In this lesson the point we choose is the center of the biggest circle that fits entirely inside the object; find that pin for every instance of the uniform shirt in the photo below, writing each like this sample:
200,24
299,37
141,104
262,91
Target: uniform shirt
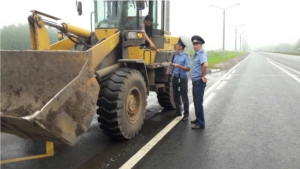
200,57
184,60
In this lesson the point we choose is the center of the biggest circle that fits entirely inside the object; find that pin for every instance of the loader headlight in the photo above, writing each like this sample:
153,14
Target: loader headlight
134,35
140,34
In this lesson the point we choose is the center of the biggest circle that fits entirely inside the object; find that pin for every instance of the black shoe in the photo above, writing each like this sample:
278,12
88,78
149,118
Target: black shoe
185,118
175,115
197,126
195,121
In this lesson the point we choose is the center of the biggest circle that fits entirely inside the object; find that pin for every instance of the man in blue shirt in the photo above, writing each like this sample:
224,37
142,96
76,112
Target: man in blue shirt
200,65
181,62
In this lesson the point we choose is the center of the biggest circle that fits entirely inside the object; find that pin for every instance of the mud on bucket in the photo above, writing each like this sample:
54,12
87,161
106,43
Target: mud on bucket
47,95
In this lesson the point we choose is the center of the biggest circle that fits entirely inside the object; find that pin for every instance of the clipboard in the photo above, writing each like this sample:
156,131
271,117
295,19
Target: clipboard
170,67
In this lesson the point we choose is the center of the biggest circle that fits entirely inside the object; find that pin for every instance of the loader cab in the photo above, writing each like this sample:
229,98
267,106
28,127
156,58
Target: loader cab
122,14
111,16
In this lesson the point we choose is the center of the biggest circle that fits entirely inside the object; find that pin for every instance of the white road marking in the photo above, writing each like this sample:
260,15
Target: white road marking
284,56
285,66
208,99
288,73
144,150
229,77
233,71
221,85
258,75
207,92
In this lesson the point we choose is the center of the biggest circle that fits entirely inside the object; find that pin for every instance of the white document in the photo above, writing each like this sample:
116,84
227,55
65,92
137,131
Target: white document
170,69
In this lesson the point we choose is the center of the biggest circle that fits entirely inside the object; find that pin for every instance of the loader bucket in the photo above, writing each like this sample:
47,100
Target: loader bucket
47,95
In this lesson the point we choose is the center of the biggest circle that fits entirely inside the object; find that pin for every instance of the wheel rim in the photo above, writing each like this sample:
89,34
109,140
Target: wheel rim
133,105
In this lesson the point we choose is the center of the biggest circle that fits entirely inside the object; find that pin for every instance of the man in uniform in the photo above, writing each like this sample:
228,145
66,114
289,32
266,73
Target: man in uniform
181,63
200,65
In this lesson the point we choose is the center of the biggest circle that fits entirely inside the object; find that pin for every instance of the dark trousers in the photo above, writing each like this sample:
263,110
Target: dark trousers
183,84
198,93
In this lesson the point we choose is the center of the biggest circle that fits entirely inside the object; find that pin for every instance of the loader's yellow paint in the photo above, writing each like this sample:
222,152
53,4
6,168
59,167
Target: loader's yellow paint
76,30
134,52
105,33
147,55
39,35
65,44
49,153
40,41
101,50
170,42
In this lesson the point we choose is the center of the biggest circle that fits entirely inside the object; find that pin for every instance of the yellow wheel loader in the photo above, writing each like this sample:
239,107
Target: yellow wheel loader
52,91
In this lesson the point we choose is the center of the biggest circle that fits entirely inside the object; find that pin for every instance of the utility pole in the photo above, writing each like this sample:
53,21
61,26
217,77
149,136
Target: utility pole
236,34
241,40
224,24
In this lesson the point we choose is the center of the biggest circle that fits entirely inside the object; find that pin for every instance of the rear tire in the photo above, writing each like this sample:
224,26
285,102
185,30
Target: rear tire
166,98
122,103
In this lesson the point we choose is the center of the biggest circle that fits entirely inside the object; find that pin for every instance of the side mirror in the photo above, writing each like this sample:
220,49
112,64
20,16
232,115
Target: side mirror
140,5
79,8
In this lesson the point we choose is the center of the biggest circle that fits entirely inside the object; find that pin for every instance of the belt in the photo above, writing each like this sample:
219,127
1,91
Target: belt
181,77
195,81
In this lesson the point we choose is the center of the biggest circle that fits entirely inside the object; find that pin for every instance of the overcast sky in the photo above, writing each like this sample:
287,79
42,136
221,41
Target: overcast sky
267,22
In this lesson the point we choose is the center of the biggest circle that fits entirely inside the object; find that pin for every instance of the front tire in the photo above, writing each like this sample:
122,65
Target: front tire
166,98
122,103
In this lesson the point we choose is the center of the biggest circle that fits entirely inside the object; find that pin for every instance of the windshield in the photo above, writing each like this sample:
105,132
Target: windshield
118,14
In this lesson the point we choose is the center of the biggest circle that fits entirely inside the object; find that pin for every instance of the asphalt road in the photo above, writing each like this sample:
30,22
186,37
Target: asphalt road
95,149
251,122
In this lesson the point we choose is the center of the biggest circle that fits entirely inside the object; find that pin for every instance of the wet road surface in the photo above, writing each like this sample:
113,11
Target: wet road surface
95,149
252,122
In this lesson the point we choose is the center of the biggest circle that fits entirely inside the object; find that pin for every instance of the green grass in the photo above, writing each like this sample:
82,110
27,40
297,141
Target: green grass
216,57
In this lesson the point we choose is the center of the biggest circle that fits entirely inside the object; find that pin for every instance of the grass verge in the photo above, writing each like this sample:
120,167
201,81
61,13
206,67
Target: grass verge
216,57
